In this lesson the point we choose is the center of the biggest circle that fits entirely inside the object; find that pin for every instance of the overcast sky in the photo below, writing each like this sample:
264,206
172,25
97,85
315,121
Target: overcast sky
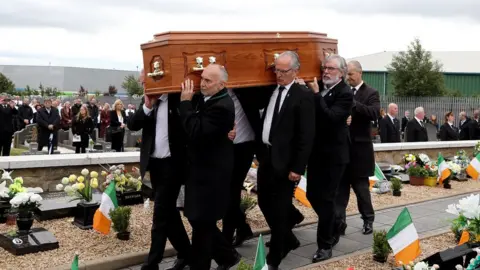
108,33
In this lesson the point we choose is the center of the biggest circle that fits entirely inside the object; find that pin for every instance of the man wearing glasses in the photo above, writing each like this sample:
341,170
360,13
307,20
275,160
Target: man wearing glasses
287,137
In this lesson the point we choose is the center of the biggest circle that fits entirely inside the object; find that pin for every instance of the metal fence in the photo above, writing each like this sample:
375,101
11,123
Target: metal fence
438,106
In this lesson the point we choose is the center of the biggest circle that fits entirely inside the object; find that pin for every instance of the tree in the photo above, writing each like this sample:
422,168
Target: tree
6,85
132,85
42,90
415,74
112,90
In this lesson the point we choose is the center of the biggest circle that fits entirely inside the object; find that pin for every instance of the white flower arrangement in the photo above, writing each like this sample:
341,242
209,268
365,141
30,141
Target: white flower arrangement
410,158
468,207
424,158
419,266
454,167
26,201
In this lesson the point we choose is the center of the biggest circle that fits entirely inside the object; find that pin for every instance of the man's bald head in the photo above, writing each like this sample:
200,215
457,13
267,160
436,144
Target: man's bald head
214,79
393,109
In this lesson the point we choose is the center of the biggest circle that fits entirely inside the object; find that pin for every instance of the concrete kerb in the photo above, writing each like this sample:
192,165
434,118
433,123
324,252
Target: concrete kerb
131,259
367,250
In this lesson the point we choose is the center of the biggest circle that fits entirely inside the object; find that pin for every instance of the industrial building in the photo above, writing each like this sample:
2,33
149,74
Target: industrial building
461,71
66,79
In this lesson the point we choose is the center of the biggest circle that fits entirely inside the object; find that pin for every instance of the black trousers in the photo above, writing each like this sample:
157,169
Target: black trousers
322,188
79,149
235,219
361,187
275,193
5,143
208,243
167,222
117,141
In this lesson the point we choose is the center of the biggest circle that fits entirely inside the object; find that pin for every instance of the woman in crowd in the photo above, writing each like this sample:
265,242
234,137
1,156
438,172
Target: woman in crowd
448,132
117,125
37,107
82,126
66,116
104,119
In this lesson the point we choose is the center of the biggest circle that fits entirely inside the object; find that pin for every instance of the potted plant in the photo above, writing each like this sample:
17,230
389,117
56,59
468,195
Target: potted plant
417,174
121,220
127,184
81,188
396,186
432,175
6,194
381,248
25,203
244,266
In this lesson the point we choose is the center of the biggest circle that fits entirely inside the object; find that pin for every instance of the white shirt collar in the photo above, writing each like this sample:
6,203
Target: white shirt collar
391,117
287,87
450,123
358,86
163,97
420,121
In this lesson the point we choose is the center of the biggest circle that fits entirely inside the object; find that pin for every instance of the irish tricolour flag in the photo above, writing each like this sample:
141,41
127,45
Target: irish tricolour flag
101,219
301,192
403,238
443,169
473,168
260,257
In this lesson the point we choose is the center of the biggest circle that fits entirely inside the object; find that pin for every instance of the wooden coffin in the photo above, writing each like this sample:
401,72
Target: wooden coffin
172,57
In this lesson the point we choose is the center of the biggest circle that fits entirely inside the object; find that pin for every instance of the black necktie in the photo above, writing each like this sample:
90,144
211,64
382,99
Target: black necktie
353,90
276,109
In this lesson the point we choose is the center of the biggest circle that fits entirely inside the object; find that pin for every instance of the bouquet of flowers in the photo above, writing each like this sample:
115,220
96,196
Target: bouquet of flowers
423,159
432,170
26,202
80,187
415,169
468,215
418,266
408,158
124,181
454,167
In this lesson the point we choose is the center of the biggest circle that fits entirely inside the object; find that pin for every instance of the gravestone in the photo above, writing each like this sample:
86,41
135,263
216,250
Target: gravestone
131,137
38,239
26,135
58,205
432,132
63,135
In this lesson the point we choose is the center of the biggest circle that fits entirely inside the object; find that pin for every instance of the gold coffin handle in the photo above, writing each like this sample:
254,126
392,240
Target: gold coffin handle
275,56
156,70
199,61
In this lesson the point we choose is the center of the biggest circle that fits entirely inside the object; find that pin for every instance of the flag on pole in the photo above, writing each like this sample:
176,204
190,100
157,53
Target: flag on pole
75,263
377,177
260,257
443,170
101,219
473,168
403,238
301,192
50,144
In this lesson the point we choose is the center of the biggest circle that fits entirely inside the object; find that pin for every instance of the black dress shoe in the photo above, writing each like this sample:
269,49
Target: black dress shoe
237,258
179,264
367,228
242,237
322,255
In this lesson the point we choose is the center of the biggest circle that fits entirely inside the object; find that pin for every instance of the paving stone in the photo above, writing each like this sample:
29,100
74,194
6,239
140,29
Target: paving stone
348,246
362,238
165,265
351,229
356,222
293,261
384,220
309,236
248,250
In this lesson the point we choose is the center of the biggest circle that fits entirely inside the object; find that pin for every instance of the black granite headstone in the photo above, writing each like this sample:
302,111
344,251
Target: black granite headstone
4,207
39,239
84,215
451,257
58,205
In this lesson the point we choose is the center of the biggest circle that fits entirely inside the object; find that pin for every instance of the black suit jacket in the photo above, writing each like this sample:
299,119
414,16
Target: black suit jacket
7,116
366,109
415,132
467,130
389,131
404,123
332,138
114,121
44,119
448,133
25,112
210,152
476,128
292,136
176,136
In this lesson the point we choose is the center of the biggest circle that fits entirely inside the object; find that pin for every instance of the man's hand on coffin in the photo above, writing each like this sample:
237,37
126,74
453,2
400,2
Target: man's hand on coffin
149,100
300,81
314,86
349,120
232,133
294,177
187,90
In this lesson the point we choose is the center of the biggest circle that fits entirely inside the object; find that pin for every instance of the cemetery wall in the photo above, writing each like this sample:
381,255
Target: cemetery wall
46,171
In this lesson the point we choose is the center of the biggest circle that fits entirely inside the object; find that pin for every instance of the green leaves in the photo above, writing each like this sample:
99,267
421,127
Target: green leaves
132,85
6,85
414,73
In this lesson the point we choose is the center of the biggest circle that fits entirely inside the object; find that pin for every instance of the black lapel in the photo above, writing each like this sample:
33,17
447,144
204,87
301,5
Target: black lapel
221,94
359,96
285,102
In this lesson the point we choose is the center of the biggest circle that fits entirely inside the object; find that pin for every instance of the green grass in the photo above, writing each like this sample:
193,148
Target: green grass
17,151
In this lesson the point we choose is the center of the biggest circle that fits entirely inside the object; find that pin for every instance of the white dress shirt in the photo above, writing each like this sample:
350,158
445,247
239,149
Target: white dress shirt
419,121
391,118
357,87
244,131
267,124
162,146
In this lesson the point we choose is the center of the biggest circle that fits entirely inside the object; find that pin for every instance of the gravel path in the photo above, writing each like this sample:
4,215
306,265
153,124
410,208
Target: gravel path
91,245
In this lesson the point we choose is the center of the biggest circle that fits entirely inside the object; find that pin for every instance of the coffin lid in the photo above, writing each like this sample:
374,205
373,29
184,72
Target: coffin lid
191,37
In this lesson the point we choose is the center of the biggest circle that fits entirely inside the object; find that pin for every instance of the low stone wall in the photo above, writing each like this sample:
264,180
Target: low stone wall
46,171
393,153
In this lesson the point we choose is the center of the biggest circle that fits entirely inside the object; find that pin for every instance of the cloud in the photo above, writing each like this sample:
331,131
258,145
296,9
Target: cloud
428,8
